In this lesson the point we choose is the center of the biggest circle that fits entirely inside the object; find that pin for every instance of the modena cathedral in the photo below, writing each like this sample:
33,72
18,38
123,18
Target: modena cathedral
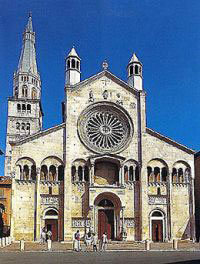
102,169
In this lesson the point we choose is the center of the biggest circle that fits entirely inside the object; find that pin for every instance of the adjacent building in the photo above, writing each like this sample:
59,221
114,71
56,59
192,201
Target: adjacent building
101,169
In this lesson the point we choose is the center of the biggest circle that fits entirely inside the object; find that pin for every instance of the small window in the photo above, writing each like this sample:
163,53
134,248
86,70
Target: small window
77,65
25,78
136,69
50,190
73,64
18,126
23,126
16,92
28,126
32,80
23,107
131,70
22,78
18,108
68,64
158,191
29,108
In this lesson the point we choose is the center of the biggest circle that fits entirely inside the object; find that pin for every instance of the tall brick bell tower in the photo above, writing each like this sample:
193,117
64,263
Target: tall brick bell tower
24,107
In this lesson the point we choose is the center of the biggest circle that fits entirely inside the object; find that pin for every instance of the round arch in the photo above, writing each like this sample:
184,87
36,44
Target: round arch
109,196
157,225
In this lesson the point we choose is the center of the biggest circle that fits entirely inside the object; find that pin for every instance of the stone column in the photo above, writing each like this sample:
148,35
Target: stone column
134,173
92,174
76,174
122,181
120,174
56,173
29,173
83,173
37,205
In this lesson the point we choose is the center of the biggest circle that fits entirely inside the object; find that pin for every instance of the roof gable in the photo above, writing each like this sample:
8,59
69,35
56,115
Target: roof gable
169,141
99,75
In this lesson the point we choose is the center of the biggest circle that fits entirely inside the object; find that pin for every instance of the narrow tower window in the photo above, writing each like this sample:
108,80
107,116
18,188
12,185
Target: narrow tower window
73,64
136,69
29,108
23,126
18,108
34,94
68,64
16,92
77,65
18,126
23,107
131,70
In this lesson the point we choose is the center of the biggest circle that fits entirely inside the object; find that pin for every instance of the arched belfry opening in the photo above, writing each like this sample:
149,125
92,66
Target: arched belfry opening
108,215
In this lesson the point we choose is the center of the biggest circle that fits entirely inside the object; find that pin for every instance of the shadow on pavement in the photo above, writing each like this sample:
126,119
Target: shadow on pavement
185,262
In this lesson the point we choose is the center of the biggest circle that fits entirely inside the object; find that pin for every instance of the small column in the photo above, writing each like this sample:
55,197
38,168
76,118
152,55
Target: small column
92,174
83,173
120,174
29,173
56,173
134,173
47,174
122,181
76,174
0,242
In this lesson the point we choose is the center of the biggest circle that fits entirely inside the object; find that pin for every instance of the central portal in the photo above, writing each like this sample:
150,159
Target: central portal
106,223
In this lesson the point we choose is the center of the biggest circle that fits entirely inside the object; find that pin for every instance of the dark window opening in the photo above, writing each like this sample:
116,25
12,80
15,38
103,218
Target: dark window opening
73,64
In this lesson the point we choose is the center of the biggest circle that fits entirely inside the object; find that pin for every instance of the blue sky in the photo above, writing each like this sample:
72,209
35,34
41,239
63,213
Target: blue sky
164,34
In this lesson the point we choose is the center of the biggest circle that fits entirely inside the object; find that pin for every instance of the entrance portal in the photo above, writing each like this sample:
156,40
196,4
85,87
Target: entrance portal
106,223
157,226
157,230
51,223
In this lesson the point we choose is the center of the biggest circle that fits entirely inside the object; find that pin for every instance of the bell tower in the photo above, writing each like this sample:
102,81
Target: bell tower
24,107
72,68
134,70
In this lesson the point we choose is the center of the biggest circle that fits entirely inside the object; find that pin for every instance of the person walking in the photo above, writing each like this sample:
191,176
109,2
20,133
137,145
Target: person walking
94,242
77,247
104,242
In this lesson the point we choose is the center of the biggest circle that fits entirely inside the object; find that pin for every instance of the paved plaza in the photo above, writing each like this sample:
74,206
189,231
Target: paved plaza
99,257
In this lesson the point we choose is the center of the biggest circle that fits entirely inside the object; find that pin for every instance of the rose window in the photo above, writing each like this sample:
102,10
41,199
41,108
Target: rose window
105,128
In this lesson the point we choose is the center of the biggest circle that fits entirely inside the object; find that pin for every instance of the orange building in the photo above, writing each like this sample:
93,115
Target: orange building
5,205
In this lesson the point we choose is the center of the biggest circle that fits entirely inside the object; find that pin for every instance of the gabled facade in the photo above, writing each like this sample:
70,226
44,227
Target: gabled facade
102,169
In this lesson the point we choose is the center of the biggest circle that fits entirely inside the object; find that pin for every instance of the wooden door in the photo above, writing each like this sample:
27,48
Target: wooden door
52,224
157,230
106,223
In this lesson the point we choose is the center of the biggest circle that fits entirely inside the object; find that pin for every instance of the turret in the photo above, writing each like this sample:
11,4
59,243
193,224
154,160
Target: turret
134,70
72,68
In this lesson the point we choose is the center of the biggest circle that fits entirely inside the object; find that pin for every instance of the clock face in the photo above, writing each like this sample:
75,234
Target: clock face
105,128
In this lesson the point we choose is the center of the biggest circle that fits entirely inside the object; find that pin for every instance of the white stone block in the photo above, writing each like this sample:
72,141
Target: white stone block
49,244
22,245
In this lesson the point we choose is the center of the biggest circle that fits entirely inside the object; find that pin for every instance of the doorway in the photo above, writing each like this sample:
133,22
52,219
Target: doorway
157,230
52,225
106,223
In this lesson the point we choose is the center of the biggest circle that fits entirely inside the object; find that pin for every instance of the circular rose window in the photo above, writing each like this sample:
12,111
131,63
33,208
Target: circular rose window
105,128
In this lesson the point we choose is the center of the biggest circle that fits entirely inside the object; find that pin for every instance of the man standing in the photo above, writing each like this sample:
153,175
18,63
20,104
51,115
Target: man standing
77,241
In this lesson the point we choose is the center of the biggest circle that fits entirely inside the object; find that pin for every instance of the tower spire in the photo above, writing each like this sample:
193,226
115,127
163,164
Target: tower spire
27,61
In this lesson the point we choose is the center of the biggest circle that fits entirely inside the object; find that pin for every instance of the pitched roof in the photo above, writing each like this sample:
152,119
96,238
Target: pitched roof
37,135
108,75
170,141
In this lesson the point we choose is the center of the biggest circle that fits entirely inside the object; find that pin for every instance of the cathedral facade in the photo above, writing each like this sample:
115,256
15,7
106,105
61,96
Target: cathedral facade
102,169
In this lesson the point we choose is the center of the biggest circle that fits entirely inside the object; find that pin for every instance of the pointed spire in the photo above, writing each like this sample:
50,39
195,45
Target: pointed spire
27,62
73,53
134,58
29,27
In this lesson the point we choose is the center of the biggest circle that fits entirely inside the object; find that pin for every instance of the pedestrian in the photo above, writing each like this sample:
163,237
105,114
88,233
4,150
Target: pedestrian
77,247
88,240
49,235
94,242
43,236
104,242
